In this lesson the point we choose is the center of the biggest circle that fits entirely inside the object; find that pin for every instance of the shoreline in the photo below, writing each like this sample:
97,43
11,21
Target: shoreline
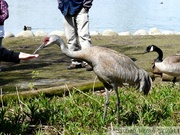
107,32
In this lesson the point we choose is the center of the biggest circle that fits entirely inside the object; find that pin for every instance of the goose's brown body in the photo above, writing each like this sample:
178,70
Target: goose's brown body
170,65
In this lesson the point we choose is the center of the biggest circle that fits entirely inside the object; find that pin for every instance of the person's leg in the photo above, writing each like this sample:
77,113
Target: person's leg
71,34
82,21
70,29
1,38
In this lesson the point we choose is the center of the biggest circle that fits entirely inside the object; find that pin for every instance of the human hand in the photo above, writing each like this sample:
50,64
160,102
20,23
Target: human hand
26,56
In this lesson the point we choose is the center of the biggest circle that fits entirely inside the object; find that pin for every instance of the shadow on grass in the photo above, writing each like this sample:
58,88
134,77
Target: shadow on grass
26,67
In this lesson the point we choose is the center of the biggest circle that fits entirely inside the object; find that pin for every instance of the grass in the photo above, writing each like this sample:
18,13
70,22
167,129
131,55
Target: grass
58,101
81,113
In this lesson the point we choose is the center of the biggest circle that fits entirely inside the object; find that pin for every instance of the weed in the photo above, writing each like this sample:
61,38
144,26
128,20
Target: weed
34,76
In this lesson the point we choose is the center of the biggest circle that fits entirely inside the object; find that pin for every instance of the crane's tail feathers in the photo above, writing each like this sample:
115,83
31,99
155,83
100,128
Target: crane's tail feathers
146,82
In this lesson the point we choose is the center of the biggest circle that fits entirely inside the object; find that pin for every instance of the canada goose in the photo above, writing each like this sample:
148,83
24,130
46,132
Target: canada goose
170,65
111,67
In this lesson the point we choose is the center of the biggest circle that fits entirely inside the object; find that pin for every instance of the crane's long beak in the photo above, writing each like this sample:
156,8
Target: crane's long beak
39,48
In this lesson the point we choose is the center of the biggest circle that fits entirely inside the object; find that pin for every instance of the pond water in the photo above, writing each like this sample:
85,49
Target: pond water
118,15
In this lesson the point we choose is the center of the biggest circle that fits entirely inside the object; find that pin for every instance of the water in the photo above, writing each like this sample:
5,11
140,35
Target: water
118,15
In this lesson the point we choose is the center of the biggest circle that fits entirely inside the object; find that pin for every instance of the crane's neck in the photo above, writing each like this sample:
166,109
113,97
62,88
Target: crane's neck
62,45
160,55
65,50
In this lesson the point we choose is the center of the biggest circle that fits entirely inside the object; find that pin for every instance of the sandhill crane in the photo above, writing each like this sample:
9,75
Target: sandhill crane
112,68
170,65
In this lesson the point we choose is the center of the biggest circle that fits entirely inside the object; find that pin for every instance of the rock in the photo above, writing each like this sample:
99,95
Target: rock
109,32
167,32
27,33
94,33
40,33
177,33
57,32
141,32
127,33
154,31
8,35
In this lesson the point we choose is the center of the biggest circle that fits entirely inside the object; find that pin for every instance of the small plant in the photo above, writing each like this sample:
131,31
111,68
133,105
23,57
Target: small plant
34,76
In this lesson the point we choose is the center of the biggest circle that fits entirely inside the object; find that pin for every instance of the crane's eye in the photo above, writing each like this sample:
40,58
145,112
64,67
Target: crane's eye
46,40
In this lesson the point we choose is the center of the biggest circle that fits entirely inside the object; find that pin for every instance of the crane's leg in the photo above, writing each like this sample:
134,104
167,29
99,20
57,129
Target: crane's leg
106,103
117,103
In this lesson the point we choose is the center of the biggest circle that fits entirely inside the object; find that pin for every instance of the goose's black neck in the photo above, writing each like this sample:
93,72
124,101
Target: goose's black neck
160,54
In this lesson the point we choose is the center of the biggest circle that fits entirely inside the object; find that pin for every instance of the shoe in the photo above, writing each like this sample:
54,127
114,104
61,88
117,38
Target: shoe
88,68
73,66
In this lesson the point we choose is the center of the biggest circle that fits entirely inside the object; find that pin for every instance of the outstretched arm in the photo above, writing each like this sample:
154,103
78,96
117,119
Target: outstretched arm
11,56
26,56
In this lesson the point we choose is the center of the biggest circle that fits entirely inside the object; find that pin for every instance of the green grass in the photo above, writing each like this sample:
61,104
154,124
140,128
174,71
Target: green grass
48,103
82,112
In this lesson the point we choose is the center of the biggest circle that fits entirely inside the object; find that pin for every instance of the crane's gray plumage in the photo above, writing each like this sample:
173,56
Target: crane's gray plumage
170,65
112,68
